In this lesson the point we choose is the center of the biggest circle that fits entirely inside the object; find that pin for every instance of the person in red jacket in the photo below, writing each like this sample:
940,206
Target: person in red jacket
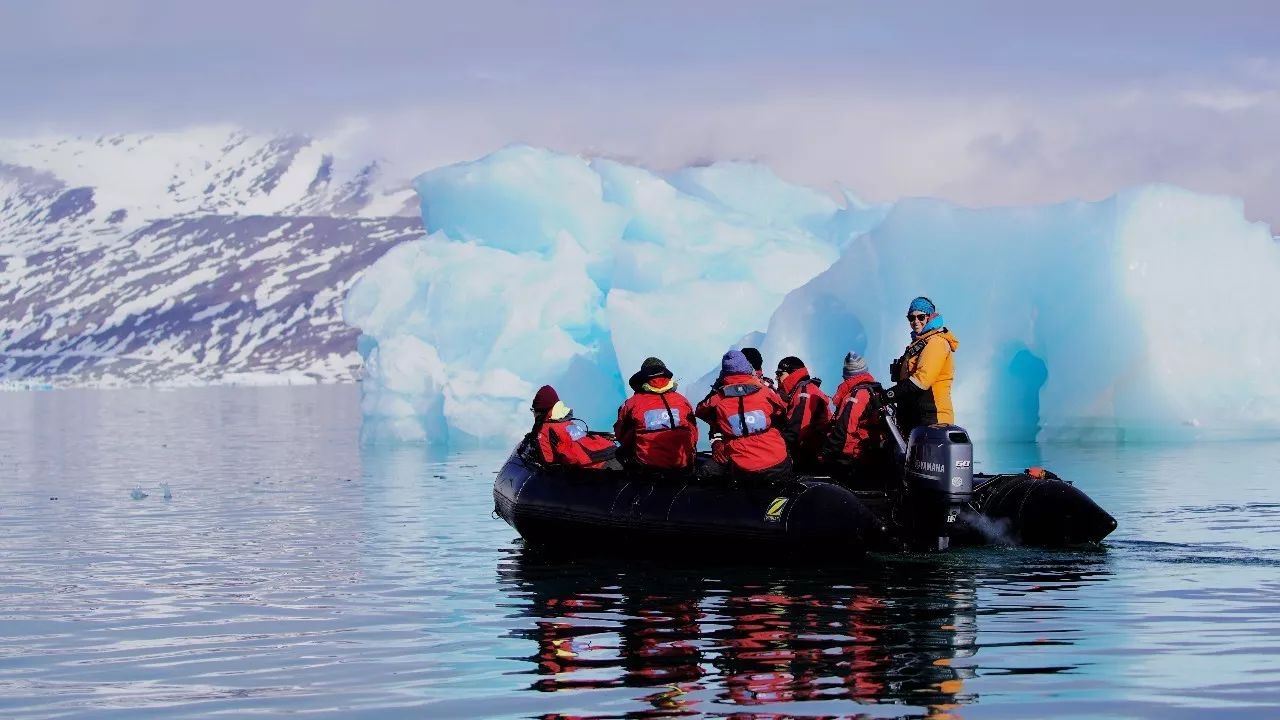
656,428
562,441
857,444
746,415
808,410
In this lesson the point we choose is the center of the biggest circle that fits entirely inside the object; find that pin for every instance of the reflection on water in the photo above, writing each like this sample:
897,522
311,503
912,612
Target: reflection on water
901,631
294,572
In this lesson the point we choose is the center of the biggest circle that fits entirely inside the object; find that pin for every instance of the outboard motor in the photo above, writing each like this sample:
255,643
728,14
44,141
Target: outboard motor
938,481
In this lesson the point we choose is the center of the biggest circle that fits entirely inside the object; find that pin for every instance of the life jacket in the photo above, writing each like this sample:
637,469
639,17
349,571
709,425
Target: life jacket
854,431
928,362
808,411
656,428
746,413
566,442
915,347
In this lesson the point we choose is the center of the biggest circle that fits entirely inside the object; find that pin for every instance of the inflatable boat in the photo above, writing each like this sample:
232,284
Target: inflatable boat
937,500
1034,507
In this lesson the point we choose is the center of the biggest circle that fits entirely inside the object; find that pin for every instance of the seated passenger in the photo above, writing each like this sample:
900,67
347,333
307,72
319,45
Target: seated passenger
745,415
561,440
856,448
757,366
656,428
808,411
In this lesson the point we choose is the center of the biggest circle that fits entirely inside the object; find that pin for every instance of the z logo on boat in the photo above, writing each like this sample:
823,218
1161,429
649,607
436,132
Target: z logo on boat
774,513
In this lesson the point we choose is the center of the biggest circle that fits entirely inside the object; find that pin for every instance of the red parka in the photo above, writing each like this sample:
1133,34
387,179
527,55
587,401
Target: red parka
808,411
564,442
855,431
747,415
656,426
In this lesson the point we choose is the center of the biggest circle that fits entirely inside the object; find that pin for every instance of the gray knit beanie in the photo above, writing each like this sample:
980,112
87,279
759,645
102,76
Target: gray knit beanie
854,365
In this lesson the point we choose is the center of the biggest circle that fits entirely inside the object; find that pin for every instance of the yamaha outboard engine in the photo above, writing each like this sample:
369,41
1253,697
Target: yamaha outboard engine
938,481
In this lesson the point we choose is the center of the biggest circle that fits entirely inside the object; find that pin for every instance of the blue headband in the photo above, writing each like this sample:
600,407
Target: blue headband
922,304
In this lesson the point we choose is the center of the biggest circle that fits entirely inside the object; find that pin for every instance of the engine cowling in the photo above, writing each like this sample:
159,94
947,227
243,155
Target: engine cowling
937,483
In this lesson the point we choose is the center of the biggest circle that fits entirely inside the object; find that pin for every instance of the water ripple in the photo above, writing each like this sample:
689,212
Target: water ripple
293,572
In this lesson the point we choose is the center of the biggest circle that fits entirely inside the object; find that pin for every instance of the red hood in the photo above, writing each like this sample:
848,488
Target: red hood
657,385
862,377
737,379
793,379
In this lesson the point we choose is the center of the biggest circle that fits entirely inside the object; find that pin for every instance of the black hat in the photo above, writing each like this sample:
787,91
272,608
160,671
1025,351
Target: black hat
754,357
790,363
649,369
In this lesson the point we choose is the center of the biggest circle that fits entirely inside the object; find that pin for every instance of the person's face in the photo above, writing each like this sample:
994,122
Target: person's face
780,374
917,320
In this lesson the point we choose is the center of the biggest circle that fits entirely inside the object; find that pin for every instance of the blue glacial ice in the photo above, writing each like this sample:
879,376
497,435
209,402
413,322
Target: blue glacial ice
1143,316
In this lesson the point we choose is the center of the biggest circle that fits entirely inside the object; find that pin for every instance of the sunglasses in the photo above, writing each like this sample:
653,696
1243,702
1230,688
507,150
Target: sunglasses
915,318
779,372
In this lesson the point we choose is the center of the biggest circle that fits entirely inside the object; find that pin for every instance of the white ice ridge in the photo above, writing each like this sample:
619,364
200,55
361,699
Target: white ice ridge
1143,316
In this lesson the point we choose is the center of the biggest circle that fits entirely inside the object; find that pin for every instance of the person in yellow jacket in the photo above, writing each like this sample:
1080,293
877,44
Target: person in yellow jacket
923,375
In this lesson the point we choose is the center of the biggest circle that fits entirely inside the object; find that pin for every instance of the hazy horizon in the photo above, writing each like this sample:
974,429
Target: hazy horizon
989,103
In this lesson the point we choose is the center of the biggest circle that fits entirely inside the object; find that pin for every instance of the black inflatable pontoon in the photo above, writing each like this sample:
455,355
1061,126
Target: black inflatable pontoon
936,500
1034,507
620,510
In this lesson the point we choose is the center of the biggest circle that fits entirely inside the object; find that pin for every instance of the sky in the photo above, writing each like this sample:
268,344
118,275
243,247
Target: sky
982,103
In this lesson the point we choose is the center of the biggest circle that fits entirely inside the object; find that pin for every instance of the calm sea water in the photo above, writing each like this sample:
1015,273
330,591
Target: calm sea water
293,572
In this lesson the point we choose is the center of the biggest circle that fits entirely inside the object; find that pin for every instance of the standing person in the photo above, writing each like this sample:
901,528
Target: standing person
924,373
746,415
855,447
563,441
656,428
808,410
757,366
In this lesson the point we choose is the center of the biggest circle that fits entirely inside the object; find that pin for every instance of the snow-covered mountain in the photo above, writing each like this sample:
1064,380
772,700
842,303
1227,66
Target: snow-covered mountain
198,256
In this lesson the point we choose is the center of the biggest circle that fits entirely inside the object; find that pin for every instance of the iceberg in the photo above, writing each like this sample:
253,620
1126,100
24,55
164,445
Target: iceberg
1142,316
1145,316
545,268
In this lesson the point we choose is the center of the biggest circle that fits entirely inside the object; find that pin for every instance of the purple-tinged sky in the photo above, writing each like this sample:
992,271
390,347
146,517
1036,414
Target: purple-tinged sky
979,102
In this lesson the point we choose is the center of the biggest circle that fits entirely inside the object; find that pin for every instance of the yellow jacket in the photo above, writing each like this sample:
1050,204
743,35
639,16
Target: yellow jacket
928,363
